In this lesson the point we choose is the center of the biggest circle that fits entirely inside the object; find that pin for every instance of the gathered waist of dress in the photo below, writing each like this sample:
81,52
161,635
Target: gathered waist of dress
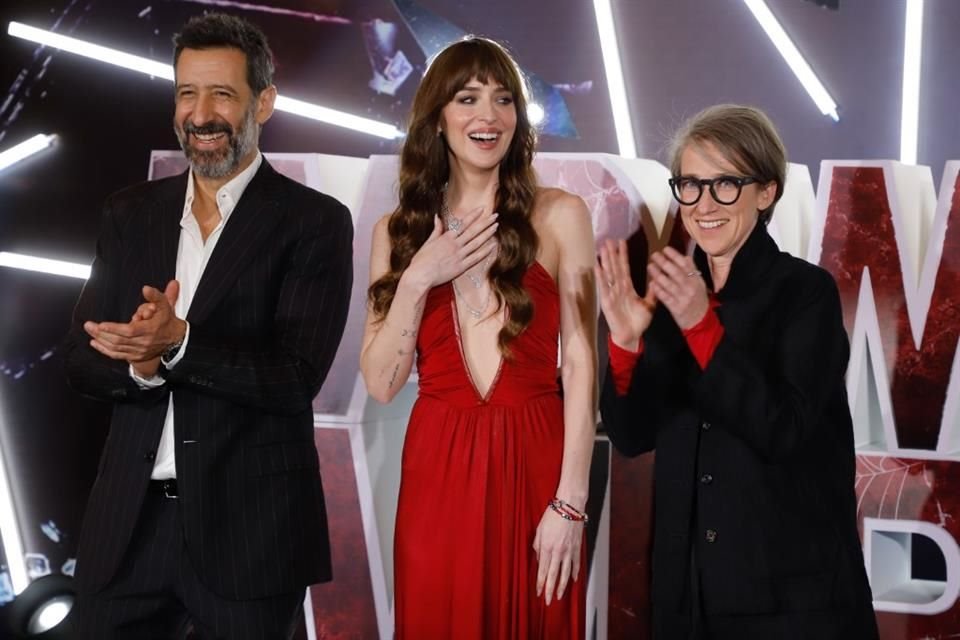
468,398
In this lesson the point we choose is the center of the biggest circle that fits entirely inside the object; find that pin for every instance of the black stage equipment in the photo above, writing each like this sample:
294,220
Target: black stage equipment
40,612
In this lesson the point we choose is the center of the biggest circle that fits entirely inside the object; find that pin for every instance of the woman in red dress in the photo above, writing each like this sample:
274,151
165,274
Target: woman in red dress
482,276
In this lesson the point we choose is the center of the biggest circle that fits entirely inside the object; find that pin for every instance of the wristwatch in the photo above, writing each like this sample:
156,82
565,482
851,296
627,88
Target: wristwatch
171,352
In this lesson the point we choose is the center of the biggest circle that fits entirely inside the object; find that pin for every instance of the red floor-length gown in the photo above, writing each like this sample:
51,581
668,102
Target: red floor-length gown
477,474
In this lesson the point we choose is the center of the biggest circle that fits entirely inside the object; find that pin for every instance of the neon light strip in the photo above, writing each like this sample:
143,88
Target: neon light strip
44,265
611,66
10,532
910,116
89,50
793,58
165,71
338,118
24,150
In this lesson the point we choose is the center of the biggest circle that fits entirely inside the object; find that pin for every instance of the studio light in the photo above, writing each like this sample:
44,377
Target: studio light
910,114
40,611
90,50
49,614
10,532
338,118
25,149
615,84
165,71
44,265
792,56
535,113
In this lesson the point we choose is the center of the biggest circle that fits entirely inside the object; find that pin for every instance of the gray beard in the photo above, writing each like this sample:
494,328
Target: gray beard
220,164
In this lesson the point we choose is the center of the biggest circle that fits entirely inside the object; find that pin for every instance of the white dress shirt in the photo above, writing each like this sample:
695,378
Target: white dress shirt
192,257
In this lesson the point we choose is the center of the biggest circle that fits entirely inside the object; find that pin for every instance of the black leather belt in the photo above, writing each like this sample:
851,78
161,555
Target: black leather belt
166,488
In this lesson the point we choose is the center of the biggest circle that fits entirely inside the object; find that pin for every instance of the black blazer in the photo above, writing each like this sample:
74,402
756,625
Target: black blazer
754,470
265,324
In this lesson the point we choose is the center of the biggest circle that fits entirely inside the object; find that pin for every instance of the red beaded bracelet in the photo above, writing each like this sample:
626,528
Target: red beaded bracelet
568,512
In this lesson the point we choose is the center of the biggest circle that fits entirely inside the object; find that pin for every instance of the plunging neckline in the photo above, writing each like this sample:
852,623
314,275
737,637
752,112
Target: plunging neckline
482,397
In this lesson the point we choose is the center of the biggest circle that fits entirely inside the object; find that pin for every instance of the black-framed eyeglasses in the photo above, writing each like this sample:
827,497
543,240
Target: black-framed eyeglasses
724,189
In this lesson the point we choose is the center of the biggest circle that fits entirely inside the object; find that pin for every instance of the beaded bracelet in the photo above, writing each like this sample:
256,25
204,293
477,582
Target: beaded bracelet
568,512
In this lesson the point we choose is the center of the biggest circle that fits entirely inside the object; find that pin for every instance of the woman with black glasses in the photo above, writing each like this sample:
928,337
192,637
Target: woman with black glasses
732,368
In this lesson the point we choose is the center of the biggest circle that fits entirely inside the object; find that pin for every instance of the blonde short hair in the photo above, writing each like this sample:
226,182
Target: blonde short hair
745,137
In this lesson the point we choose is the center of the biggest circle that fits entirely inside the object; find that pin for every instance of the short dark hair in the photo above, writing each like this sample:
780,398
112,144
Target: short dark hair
213,30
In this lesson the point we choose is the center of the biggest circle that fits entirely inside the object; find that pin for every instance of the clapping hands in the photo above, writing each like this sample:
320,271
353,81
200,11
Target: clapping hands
153,327
672,279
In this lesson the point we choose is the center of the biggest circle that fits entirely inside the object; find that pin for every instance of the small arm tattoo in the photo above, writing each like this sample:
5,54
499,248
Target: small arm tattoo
393,377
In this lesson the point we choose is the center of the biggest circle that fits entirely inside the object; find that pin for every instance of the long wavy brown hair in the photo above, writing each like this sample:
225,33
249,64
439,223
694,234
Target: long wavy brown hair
425,170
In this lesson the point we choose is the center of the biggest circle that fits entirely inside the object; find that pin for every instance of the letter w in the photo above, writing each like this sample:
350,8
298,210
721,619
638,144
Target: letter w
872,221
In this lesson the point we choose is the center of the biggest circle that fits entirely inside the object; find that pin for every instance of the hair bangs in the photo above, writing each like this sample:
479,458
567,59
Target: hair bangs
481,59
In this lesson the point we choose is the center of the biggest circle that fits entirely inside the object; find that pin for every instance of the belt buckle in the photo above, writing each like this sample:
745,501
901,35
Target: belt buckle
170,489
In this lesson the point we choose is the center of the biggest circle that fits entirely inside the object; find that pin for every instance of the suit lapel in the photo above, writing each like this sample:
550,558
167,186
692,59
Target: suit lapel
251,223
163,232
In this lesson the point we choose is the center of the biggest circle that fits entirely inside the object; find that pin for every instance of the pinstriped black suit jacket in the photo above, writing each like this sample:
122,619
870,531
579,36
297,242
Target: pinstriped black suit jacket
265,321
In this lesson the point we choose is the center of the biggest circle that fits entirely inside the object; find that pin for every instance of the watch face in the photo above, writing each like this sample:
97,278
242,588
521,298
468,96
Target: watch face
171,351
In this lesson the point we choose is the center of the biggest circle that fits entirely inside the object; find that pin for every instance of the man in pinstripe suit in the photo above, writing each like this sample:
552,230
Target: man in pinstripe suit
214,309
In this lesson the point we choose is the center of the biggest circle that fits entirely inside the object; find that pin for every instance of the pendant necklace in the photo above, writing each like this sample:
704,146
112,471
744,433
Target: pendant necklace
456,225
476,313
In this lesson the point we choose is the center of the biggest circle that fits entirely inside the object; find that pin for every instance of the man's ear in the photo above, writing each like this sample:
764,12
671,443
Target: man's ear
265,102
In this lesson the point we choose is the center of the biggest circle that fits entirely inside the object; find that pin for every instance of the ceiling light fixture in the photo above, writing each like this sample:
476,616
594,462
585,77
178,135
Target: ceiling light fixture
44,265
10,534
165,71
793,58
615,83
910,110
25,149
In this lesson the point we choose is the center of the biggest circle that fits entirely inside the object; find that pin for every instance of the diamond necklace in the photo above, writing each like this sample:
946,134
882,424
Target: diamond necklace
476,280
476,313
456,225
